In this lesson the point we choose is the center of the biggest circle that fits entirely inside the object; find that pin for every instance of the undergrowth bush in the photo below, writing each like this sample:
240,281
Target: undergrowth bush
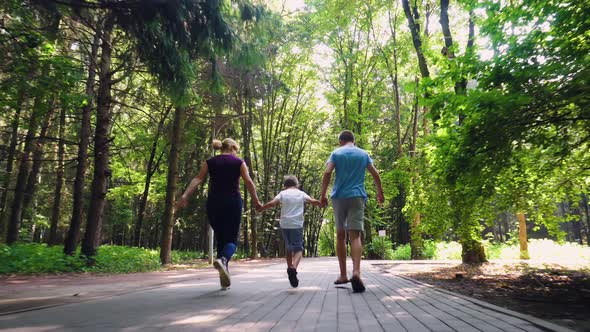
36,258
402,252
379,248
115,259
31,258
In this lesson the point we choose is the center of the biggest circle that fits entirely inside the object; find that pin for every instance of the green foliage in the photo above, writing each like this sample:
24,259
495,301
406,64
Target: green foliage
37,258
402,252
524,130
32,258
327,240
379,248
115,259
169,35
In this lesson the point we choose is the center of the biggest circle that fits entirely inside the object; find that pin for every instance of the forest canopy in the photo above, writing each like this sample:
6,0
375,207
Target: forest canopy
476,114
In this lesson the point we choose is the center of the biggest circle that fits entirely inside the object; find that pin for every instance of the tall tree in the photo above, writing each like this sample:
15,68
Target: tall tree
59,179
73,235
171,186
151,168
92,235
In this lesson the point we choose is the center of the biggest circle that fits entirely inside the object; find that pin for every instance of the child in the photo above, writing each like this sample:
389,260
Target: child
292,200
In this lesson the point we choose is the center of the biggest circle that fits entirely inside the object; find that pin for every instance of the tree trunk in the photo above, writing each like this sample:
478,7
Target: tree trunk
71,241
472,252
253,237
414,141
448,50
92,236
10,158
55,211
253,216
584,206
416,242
577,224
23,172
246,134
416,39
444,23
577,228
403,226
500,238
37,162
522,236
395,82
358,123
148,178
172,178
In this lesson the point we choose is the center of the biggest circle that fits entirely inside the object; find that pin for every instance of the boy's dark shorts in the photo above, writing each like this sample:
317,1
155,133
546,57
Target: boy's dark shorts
293,239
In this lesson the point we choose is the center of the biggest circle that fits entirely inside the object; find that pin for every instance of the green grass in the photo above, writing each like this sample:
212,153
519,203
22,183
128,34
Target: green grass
539,249
33,258
542,249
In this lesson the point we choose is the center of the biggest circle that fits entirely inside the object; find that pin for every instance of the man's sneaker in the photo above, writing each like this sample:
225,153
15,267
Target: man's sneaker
357,284
221,265
293,277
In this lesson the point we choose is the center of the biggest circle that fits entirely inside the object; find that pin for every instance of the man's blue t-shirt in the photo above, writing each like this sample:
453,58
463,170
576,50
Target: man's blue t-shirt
351,163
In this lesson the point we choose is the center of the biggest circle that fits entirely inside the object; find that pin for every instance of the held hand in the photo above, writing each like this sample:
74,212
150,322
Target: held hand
258,206
380,198
323,201
181,202
259,209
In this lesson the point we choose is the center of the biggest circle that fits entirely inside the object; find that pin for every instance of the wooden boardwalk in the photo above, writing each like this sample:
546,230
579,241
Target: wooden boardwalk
262,300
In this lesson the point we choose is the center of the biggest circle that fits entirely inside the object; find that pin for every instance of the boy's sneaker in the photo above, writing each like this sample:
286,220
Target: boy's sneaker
293,277
221,265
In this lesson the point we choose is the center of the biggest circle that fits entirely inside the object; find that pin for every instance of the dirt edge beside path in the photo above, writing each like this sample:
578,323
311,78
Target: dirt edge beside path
556,293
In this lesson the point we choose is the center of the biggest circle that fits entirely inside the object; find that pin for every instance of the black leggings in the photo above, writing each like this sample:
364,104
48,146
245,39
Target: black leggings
225,214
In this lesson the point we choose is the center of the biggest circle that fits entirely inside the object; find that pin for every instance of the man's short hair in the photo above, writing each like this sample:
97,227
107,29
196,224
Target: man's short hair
290,181
346,136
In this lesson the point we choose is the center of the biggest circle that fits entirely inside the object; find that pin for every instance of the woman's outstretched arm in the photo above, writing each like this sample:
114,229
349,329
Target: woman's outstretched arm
195,182
250,186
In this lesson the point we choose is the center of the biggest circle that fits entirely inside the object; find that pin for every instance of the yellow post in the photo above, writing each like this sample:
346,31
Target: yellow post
522,236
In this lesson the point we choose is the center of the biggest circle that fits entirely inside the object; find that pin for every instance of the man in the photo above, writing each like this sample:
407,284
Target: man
348,200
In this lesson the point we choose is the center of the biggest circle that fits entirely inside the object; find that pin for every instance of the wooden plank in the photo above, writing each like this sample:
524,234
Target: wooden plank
392,303
443,304
385,318
490,317
311,315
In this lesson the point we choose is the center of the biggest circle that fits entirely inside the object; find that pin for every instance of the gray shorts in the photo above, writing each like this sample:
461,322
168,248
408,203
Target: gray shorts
293,239
349,213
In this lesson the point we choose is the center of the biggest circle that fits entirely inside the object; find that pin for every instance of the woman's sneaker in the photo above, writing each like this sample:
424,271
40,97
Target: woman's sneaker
221,265
293,277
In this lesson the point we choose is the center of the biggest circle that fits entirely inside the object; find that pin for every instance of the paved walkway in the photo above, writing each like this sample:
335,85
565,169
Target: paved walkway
261,299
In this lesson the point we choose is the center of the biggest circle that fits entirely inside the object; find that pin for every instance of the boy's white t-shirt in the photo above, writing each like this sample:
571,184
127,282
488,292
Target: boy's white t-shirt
292,204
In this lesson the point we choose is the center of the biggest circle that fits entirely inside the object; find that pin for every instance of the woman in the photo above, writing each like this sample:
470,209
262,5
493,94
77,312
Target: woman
224,201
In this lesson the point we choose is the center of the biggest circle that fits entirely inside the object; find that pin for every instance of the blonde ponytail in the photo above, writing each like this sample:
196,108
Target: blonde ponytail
217,145
227,145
